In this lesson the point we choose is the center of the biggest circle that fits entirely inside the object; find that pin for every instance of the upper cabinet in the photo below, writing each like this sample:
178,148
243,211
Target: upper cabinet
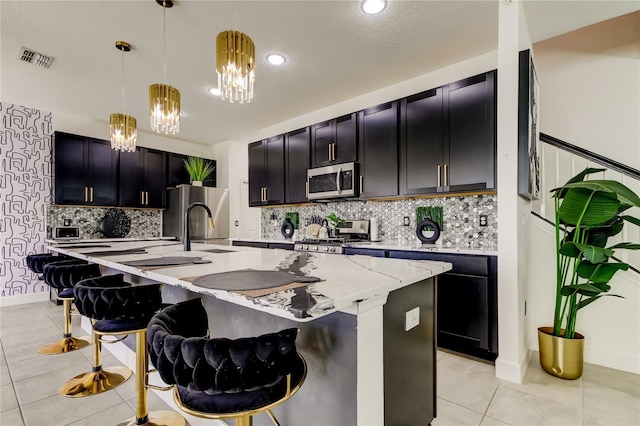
266,176
470,133
142,178
447,138
297,160
334,141
85,171
378,151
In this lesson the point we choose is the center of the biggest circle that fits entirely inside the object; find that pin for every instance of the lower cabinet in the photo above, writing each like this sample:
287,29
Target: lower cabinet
262,244
365,252
467,302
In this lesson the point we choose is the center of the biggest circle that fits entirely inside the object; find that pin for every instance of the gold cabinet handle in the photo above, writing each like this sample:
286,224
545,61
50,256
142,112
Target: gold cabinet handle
146,198
361,185
333,151
265,194
446,177
306,188
91,194
86,194
142,198
329,148
439,175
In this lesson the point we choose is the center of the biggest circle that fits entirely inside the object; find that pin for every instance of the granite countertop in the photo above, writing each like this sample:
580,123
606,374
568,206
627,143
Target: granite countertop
265,240
345,280
106,240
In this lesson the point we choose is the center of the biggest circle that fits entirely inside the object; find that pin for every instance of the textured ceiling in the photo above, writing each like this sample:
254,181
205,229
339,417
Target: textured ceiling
334,52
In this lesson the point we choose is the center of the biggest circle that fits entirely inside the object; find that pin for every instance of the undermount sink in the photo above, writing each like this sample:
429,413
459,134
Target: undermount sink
217,251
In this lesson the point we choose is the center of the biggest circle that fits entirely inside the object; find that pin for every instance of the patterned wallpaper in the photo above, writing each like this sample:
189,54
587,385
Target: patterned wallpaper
25,191
461,217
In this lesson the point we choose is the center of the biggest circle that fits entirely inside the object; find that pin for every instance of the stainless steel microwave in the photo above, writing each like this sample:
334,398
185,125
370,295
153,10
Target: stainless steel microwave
335,181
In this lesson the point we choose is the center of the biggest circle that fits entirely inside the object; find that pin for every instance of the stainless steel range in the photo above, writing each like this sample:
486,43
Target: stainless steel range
352,231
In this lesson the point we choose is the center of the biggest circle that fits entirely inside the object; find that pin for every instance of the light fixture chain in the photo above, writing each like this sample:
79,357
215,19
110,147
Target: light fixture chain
122,78
164,41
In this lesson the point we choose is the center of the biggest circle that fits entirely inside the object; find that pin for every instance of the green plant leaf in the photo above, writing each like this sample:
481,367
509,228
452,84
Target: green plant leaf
625,246
568,290
587,208
600,273
570,249
594,254
625,195
198,168
560,192
631,219
593,299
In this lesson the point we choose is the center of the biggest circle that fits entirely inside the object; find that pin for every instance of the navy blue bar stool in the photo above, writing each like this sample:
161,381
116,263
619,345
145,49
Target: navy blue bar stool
62,276
36,262
118,308
221,378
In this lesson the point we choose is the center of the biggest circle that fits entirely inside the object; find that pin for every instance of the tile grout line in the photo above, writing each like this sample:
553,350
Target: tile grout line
13,386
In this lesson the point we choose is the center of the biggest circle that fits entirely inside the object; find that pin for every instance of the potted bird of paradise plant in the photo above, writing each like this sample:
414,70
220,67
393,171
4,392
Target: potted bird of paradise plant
199,169
587,214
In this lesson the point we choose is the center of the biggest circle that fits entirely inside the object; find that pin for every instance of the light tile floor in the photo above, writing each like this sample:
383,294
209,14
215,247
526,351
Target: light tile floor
468,391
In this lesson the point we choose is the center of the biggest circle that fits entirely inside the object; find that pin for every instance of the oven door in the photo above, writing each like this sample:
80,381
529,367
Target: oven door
336,181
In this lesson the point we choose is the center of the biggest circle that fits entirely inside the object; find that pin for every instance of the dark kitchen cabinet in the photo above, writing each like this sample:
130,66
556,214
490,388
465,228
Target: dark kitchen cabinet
85,171
448,138
262,244
470,134
334,141
467,303
266,172
297,160
378,151
177,174
143,178
365,252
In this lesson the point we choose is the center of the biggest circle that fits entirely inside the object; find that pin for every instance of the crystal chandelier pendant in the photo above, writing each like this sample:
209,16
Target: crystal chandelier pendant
123,128
235,66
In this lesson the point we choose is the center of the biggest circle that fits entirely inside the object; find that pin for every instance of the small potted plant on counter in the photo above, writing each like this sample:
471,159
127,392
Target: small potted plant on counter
335,221
587,213
199,169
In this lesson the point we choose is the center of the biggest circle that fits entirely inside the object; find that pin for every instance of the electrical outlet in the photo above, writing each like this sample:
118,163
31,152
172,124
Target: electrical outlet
483,220
405,221
412,319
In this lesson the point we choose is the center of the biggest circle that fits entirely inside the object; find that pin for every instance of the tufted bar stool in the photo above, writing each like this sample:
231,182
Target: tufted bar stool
221,378
62,276
36,262
118,308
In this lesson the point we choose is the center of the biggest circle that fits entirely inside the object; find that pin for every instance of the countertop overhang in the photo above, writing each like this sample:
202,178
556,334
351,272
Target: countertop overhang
348,282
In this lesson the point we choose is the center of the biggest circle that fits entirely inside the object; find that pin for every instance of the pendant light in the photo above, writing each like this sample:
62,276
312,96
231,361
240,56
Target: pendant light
123,128
164,100
235,66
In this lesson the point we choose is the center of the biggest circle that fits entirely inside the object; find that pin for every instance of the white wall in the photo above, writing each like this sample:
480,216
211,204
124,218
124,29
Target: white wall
590,97
590,88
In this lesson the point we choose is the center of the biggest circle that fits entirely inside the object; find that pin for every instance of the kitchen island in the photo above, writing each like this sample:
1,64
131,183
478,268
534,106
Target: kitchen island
366,328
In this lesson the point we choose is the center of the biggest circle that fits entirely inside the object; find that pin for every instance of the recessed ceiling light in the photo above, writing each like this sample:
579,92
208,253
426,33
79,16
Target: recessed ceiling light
276,59
214,91
372,7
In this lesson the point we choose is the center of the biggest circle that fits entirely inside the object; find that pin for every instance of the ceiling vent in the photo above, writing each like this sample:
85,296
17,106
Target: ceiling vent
35,58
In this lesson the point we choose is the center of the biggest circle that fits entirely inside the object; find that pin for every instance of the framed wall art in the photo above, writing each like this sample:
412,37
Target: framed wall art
528,128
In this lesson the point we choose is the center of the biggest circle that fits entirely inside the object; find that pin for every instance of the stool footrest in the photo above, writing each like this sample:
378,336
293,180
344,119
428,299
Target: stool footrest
66,344
95,382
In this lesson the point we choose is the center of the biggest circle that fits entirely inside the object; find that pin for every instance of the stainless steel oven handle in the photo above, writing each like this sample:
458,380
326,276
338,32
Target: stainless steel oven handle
338,180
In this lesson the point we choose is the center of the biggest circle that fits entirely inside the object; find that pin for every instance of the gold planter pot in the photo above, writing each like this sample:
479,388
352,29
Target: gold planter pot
559,356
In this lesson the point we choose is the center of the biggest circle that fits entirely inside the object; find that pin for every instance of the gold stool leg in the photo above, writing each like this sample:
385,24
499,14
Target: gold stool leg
273,418
244,421
143,417
68,343
98,380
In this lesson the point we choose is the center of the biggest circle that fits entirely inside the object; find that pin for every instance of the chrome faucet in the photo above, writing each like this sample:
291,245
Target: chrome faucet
186,236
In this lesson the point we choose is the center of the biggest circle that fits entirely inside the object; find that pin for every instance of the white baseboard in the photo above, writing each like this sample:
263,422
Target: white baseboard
21,299
513,371
127,357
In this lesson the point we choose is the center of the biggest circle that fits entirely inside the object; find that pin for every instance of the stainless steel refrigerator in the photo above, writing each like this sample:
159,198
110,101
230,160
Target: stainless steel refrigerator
179,198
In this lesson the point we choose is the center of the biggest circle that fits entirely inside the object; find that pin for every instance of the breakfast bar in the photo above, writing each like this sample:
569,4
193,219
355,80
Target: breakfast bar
367,325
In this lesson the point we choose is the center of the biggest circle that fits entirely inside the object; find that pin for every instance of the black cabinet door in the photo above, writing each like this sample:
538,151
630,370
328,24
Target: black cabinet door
176,172
257,173
297,161
421,143
463,311
334,141
70,184
85,171
131,177
102,175
470,137
344,150
378,151
154,186
275,170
